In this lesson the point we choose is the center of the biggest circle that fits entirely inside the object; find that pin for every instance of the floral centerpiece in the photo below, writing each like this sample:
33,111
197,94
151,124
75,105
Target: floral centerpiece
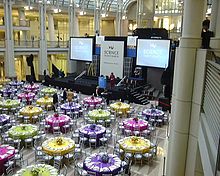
56,115
59,141
136,119
31,107
93,126
35,172
134,139
105,158
92,97
23,128
119,103
8,101
153,110
46,97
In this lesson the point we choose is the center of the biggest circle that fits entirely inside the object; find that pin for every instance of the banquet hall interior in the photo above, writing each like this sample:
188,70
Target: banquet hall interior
109,87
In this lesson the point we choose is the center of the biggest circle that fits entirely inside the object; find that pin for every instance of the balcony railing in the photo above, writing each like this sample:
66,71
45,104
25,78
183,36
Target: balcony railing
57,44
21,23
26,44
36,44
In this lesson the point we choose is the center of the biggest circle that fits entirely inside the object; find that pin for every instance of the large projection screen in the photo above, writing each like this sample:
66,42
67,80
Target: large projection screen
153,53
81,49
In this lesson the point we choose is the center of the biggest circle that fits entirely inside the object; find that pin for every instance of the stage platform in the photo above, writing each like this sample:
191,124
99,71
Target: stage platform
86,85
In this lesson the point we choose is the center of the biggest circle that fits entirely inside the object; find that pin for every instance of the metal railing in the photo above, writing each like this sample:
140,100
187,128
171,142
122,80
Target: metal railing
27,44
21,23
57,44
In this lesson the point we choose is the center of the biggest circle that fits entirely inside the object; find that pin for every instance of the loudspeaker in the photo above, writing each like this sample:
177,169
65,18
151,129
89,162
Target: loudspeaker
30,60
149,33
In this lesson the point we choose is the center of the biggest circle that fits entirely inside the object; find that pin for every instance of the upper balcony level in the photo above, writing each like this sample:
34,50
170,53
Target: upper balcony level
34,46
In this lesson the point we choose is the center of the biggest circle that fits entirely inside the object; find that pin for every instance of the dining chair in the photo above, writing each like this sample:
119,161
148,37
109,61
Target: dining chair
9,171
91,173
138,157
57,165
10,162
28,142
93,141
137,130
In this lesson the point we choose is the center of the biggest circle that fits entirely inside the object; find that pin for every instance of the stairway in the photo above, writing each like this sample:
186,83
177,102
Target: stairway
140,94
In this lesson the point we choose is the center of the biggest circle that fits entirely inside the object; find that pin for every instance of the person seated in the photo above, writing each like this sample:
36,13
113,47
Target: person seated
70,95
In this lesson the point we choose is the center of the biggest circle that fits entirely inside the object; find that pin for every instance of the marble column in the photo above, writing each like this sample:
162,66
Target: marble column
214,13
97,16
22,22
124,27
71,65
139,13
119,18
43,62
51,29
182,140
215,41
9,62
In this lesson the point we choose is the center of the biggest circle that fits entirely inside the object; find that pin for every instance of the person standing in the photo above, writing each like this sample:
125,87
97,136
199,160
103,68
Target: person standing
112,80
64,95
55,101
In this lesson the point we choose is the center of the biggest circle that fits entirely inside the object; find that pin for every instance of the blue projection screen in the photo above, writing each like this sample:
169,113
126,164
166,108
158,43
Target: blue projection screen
81,49
153,53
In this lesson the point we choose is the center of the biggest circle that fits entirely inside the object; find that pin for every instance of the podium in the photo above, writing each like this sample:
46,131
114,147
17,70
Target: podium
102,82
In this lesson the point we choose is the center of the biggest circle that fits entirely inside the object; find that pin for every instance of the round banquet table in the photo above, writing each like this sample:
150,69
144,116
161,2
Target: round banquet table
23,131
4,81
52,147
9,104
135,144
92,100
4,119
49,91
99,114
26,96
16,83
33,87
120,107
45,101
152,113
56,119
31,111
6,152
70,106
41,169
96,163
135,123
8,91
93,130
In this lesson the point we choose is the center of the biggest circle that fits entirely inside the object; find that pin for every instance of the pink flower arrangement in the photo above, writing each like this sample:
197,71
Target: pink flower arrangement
135,119
56,115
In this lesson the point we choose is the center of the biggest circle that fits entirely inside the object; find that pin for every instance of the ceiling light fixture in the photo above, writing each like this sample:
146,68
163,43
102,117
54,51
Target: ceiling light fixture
81,13
56,10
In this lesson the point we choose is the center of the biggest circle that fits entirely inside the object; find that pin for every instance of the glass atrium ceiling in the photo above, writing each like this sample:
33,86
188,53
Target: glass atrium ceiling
107,5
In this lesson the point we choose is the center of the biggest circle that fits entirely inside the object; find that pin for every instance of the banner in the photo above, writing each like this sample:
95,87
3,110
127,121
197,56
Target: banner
99,40
112,58
131,46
